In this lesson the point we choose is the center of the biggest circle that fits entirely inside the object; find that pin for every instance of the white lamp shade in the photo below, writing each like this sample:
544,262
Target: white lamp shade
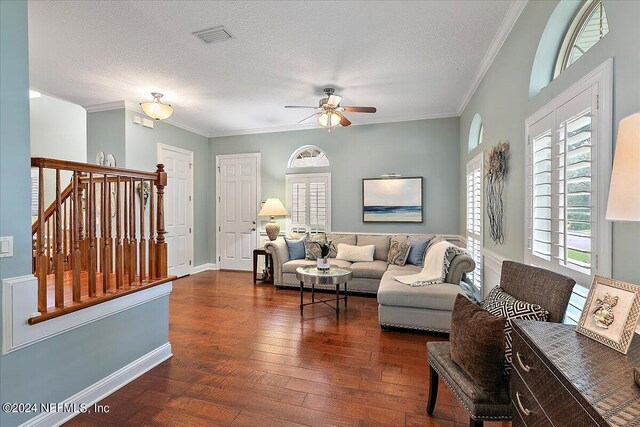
273,207
328,119
624,193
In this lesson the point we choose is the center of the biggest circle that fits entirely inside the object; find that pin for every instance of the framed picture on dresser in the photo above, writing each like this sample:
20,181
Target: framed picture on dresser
611,313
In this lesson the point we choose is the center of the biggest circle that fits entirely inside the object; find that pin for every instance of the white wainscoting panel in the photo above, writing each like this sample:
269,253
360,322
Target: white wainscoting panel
20,303
492,263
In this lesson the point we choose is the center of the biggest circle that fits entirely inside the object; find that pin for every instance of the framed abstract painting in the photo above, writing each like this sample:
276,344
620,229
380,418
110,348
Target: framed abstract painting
392,199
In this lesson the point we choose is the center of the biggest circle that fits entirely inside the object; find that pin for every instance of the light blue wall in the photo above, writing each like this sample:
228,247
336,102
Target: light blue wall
59,367
141,153
106,133
427,148
15,162
502,101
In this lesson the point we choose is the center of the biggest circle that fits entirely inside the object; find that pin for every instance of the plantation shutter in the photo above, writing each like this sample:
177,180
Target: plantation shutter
562,200
35,182
308,202
474,217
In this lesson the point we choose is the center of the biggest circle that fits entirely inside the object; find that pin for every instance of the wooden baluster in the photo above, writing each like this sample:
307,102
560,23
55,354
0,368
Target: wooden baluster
133,243
65,228
49,246
41,262
106,236
58,262
161,245
119,260
76,214
152,232
143,243
82,231
93,259
125,243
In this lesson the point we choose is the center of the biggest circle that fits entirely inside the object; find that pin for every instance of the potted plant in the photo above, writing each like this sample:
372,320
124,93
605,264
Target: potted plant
325,247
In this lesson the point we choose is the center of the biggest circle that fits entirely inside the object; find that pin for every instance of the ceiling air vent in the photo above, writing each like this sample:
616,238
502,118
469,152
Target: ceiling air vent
213,35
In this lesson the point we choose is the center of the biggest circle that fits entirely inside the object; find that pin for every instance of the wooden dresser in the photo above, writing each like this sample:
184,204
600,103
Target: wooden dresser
561,378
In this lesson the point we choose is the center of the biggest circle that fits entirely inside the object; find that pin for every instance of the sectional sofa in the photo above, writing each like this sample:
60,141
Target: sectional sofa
399,305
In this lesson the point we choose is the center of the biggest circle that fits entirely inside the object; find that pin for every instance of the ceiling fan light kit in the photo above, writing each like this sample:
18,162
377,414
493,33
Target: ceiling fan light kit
330,114
156,109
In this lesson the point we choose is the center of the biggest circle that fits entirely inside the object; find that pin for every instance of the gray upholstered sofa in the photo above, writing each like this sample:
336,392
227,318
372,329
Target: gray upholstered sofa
399,305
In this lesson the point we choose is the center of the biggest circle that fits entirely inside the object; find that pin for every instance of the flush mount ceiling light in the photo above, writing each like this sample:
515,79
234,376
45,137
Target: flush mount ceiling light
156,109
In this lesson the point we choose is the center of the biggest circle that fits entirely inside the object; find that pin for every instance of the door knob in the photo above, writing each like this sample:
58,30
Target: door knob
253,229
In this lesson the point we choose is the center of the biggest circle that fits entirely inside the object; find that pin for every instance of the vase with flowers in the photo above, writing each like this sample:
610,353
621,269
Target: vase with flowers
324,262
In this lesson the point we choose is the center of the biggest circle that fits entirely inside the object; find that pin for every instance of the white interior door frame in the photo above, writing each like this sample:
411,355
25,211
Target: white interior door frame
219,157
191,247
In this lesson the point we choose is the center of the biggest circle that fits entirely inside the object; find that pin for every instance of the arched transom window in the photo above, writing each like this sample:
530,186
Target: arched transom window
308,156
588,27
476,132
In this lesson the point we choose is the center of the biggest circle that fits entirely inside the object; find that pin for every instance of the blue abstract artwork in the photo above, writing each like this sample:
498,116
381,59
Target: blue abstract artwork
392,199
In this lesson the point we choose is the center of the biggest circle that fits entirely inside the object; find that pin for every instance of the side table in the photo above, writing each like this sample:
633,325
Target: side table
267,274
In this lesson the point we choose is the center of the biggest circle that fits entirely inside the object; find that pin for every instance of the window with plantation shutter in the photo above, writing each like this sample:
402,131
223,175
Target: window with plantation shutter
309,202
568,160
35,182
475,176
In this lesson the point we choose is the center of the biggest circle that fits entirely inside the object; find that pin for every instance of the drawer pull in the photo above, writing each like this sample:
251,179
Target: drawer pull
524,367
524,410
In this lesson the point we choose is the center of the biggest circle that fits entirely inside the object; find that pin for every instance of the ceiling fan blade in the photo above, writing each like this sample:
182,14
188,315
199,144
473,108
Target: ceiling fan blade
334,100
343,120
298,106
360,109
307,118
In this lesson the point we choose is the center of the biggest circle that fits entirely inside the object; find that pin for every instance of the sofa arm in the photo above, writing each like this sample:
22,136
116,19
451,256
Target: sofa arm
279,254
459,265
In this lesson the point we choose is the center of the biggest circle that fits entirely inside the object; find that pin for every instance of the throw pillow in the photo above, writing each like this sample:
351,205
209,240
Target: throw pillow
477,343
296,248
398,252
416,252
355,253
312,251
500,303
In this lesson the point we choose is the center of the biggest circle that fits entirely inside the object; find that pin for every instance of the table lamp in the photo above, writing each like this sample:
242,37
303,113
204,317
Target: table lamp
273,208
624,192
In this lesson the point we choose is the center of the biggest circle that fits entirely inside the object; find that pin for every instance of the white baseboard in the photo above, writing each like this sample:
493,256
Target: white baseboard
20,302
98,391
205,267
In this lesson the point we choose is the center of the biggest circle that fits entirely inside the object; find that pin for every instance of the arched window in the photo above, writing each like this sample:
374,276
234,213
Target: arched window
308,156
476,132
587,28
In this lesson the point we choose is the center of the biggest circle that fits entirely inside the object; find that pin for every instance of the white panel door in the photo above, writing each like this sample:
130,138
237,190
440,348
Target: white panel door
238,210
178,208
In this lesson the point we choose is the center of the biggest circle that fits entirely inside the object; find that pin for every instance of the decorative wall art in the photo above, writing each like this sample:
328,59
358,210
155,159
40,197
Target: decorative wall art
110,161
395,199
496,173
611,313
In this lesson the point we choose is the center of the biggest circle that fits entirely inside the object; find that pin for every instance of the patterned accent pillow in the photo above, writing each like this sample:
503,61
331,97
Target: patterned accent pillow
398,252
500,303
312,251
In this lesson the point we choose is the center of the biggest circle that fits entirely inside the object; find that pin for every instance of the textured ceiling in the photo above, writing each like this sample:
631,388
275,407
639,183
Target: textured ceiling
409,59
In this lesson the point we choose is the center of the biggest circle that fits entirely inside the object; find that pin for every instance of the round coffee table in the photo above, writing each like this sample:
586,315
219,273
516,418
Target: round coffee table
333,276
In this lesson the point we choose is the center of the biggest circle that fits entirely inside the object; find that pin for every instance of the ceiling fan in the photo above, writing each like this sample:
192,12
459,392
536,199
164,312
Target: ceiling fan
330,113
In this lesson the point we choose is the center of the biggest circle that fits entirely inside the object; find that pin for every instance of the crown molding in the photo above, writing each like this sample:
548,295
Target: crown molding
507,25
311,126
131,106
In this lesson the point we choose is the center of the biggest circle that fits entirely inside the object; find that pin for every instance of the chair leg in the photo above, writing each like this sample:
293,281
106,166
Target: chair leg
433,390
475,423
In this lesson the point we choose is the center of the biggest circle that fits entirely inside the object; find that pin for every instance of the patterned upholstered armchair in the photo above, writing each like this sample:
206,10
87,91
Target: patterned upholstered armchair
531,284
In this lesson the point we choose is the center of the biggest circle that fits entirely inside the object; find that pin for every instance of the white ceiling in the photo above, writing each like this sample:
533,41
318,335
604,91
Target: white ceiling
409,59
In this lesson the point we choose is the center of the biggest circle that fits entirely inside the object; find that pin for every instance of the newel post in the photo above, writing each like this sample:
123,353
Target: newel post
161,245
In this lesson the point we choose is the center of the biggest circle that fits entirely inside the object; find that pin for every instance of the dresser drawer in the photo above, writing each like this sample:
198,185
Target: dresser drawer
526,407
556,401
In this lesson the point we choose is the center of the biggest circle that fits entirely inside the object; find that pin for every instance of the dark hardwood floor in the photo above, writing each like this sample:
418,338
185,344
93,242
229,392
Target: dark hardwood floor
243,356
